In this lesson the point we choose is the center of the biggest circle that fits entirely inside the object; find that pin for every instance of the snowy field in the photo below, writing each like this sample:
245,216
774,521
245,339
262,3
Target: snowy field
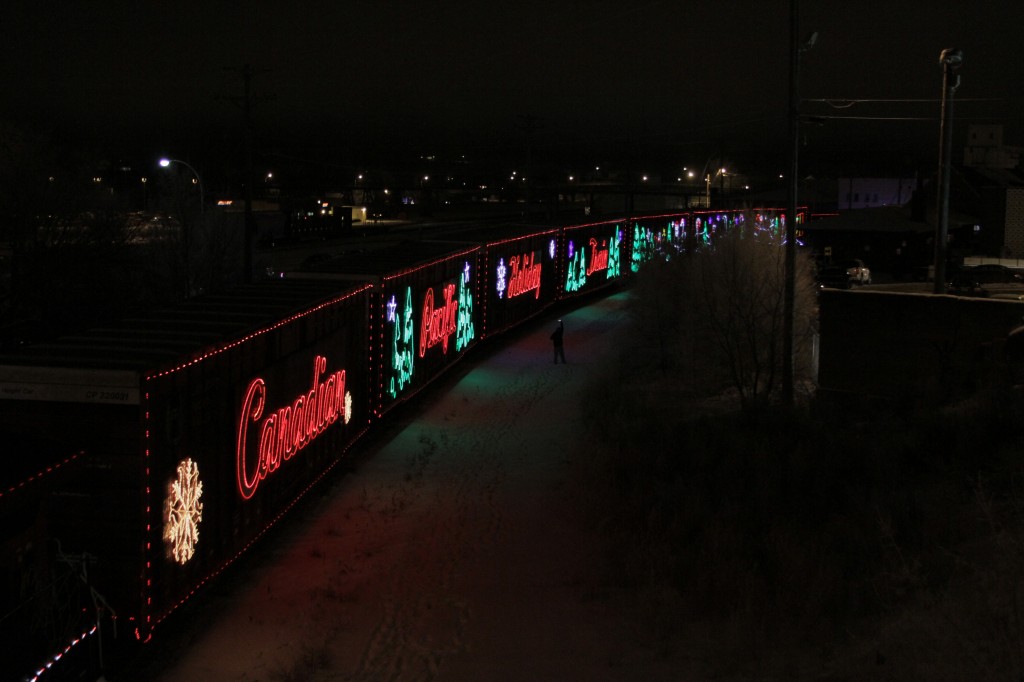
453,550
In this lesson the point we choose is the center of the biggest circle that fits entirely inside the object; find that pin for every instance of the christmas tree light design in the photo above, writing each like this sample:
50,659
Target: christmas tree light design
643,246
614,258
577,275
464,330
402,345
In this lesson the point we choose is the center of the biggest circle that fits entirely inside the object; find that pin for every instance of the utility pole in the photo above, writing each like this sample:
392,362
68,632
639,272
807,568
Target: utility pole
789,292
245,102
951,59
528,125
796,48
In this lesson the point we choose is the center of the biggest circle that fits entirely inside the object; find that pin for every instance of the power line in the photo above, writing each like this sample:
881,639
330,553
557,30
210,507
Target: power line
900,118
846,101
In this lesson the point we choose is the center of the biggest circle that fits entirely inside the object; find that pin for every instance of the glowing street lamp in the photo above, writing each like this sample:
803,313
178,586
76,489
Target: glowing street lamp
165,162
185,236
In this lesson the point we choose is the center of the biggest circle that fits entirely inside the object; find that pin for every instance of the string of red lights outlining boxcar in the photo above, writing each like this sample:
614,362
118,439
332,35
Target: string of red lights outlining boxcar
214,418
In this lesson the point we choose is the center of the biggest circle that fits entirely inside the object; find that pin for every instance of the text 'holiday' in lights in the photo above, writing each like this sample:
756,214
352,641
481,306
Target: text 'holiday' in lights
183,511
523,273
287,430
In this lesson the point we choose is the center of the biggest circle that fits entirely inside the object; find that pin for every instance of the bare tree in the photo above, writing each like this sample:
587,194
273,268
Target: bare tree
712,320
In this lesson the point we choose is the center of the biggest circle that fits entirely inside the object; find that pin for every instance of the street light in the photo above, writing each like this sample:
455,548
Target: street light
165,162
186,244
796,48
950,59
707,181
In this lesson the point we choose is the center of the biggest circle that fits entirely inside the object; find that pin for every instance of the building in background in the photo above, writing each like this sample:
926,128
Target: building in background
994,185
874,192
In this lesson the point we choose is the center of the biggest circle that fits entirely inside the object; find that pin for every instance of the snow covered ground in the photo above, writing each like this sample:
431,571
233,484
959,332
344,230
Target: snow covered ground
454,549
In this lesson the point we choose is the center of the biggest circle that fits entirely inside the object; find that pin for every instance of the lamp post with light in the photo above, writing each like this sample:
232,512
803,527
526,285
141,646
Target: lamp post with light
185,240
950,59
165,162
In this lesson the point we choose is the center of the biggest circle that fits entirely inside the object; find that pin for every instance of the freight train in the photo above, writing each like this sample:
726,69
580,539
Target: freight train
144,457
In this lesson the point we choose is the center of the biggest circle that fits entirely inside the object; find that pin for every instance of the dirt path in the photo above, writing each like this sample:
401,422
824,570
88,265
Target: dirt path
452,552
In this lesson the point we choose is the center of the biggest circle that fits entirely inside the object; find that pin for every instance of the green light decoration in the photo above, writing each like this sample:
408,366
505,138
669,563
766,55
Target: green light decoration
643,247
402,348
464,330
702,231
614,256
577,275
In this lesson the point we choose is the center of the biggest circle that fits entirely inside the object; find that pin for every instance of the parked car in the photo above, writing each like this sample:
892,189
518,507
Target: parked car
963,283
993,273
856,271
833,277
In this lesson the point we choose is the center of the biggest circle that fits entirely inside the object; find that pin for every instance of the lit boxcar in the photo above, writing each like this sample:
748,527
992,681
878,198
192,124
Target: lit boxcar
198,426
661,235
423,316
519,274
593,257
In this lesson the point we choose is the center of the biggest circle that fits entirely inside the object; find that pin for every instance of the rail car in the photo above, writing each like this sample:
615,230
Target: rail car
146,456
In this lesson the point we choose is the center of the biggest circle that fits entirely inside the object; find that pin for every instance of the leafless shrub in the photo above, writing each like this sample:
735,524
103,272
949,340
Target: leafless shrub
713,320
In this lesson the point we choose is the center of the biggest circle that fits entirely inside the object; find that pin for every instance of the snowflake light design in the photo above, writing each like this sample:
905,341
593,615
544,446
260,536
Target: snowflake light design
502,270
348,407
183,512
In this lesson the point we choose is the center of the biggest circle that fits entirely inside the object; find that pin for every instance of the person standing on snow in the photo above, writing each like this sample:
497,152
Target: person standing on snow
556,339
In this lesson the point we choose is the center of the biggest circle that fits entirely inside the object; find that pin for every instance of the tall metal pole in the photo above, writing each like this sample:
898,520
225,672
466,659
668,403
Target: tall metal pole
951,59
250,174
186,227
164,163
794,138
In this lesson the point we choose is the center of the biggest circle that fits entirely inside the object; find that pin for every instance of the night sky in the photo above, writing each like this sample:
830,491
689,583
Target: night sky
673,81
